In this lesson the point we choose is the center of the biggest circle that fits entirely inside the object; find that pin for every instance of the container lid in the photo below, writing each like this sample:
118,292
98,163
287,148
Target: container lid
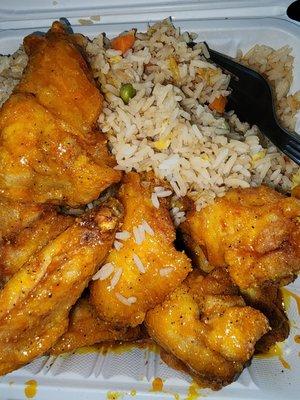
37,13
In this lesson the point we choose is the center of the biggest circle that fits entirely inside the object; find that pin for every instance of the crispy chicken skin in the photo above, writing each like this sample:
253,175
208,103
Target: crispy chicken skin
35,302
18,248
208,327
255,232
165,267
15,216
86,329
50,151
268,300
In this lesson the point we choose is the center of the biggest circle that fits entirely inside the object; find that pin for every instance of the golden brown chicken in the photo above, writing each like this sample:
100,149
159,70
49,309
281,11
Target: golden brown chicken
35,302
19,247
15,216
86,329
140,274
208,327
50,150
268,300
255,232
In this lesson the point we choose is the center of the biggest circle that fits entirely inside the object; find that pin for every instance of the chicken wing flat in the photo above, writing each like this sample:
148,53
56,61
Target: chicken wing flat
140,274
35,302
86,329
208,327
50,150
18,248
255,232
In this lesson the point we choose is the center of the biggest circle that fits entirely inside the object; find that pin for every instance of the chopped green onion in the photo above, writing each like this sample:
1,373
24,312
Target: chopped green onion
127,92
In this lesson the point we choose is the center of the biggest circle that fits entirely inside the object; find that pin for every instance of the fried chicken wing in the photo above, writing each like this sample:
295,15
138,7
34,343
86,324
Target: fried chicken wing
255,232
59,77
86,329
208,327
35,302
18,248
50,150
144,270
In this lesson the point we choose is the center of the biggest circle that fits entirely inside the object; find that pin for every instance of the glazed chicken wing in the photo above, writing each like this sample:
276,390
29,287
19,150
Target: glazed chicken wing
208,327
86,329
140,274
20,246
255,232
35,302
50,150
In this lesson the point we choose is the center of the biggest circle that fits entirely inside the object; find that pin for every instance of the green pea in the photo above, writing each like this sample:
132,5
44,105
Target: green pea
127,92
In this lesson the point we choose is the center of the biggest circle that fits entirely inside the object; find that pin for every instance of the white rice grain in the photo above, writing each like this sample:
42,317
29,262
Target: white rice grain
138,263
105,271
166,271
116,277
126,300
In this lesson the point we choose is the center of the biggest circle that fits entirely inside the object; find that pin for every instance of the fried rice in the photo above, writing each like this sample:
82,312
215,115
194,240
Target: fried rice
168,126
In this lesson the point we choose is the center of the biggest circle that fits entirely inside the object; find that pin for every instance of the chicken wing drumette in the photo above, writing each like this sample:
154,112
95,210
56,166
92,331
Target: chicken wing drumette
207,326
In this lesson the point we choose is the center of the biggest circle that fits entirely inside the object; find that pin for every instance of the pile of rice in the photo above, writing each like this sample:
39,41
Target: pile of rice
168,127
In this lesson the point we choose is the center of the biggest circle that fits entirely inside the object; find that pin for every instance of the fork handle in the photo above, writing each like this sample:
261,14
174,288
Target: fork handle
288,142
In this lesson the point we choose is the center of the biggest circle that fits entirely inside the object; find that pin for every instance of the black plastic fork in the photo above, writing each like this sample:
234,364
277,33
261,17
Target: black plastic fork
252,100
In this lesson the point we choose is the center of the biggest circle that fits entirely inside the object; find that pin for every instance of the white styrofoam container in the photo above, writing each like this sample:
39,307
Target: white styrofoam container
226,26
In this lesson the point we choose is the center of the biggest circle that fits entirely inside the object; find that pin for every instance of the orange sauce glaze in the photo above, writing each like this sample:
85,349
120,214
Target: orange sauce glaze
30,388
275,351
157,384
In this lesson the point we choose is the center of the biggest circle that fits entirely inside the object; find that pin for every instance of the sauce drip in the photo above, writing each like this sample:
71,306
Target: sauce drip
193,392
275,351
157,385
118,347
287,295
297,339
30,388
114,395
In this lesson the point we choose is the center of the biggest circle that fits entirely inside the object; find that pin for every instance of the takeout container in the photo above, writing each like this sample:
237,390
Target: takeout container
226,26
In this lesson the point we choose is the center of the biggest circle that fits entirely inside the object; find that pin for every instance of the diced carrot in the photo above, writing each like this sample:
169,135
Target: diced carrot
123,42
219,104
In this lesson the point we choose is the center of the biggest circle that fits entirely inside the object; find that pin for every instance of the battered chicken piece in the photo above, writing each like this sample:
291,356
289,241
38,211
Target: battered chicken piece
50,151
86,329
255,232
59,77
35,302
144,273
208,327
18,248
